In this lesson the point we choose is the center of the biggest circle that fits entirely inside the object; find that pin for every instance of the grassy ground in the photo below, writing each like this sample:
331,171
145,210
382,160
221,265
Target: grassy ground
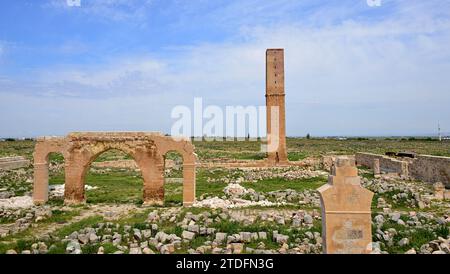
315,147
17,148
273,184
298,148
25,238
119,186
125,186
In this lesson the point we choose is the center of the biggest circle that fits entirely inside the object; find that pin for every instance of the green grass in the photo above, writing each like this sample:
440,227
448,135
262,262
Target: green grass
109,248
210,188
15,148
112,155
249,156
60,216
122,186
56,158
68,229
274,184
298,148
173,194
58,247
365,172
296,156
227,226
24,239
56,178
138,217
116,186
321,146
417,238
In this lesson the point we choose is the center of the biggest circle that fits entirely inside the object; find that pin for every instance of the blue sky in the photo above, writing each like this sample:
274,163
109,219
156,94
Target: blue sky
351,69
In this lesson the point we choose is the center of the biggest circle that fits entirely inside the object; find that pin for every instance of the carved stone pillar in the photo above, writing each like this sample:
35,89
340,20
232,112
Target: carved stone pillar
188,184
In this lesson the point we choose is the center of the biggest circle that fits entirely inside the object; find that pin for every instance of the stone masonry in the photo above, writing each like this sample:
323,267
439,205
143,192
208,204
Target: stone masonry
426,168
80,149
346,212
275,103
7,163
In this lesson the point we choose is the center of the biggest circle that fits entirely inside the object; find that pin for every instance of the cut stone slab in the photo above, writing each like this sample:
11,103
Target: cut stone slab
346,211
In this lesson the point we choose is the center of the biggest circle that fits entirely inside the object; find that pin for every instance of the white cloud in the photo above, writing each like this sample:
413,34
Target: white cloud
108,10
356,77
2,49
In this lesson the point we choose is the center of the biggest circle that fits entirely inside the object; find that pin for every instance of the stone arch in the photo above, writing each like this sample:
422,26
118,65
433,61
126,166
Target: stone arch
147,149
44,147
185,148
83,153
173,161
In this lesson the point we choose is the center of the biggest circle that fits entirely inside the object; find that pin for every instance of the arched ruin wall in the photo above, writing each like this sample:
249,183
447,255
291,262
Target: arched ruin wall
81,149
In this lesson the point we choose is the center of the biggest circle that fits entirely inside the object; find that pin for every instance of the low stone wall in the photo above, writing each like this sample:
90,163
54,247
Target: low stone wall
431,169
426,168
309,162
327,161
8,163
128,164
232,164
387,164
317,163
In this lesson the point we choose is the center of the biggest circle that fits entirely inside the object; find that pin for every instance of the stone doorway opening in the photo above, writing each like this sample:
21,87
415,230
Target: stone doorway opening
113,177
56,177
173,178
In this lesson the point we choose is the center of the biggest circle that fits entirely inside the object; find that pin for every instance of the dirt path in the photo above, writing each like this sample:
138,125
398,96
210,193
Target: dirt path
108,212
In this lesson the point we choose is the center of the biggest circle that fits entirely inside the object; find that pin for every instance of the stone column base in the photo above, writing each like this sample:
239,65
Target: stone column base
188,204
39,202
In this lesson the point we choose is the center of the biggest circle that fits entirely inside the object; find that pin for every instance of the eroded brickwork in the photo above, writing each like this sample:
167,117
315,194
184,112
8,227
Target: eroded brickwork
426,168
275,103
80,149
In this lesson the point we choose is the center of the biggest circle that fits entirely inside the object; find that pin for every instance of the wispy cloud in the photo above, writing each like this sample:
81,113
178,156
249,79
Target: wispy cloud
350,69
108,10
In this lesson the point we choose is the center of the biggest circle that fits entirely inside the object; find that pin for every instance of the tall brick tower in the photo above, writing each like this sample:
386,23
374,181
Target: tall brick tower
276,118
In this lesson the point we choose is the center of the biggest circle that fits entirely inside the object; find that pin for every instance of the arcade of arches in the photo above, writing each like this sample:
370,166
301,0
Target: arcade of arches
80,149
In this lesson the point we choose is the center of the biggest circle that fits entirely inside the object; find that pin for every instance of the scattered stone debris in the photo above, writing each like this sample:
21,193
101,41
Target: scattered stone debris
235,190
283,228
57,191
17,202
253,175
217,202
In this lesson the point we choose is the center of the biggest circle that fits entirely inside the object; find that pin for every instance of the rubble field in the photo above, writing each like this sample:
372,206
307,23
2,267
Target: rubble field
248,210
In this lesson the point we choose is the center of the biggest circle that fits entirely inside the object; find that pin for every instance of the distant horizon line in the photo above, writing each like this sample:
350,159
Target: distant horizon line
443,135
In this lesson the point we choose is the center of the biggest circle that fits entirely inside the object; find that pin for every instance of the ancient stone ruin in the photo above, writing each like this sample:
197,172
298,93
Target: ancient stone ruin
275,104
346,211
8,163
80,149
426,168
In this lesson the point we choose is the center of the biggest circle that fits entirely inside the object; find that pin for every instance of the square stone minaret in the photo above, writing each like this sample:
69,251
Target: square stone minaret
276,118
